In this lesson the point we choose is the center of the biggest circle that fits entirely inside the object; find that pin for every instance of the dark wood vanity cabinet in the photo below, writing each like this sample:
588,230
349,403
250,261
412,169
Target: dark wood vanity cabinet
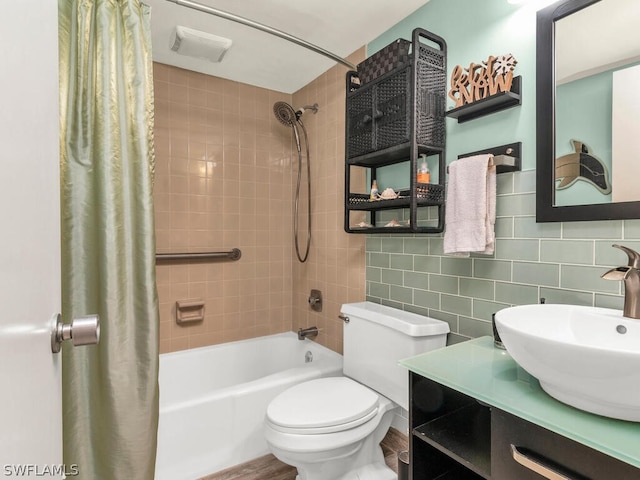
456,437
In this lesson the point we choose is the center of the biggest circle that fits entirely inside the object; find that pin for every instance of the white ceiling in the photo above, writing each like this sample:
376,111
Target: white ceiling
261,59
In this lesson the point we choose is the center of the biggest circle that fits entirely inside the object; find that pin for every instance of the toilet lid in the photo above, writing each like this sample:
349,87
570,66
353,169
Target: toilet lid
321,403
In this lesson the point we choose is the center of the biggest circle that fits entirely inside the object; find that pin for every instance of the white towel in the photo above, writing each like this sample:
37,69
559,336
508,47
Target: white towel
471,206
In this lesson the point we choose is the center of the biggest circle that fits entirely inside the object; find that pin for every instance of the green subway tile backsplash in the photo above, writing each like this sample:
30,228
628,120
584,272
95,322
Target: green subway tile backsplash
570,297
378,259
401,294
602,229
517,205
586,278
492,269
609,301
391,277
471,287
443,284
378,290
426,263
483,309
456,304
402,262
566,251
515,294
547,274
561,262
392,244
517,249
426,299
526,227
456,266
472,327
632,229
419,245
525,181
416,280
611,257
504,227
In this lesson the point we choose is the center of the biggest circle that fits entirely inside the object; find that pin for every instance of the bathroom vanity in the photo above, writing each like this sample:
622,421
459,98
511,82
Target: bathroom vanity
475,414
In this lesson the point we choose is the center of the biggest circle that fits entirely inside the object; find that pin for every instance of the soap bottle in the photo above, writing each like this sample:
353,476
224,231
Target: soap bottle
424,176
374,191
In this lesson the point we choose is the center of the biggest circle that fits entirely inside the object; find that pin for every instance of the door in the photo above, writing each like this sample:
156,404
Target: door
30,375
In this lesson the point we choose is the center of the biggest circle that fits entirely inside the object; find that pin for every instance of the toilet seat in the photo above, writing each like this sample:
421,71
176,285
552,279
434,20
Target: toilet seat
324,405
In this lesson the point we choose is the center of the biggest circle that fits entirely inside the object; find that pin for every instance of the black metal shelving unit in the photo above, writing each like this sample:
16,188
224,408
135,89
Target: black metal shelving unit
393,119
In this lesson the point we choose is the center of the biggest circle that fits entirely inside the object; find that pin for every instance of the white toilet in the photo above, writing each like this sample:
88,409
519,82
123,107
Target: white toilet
331,428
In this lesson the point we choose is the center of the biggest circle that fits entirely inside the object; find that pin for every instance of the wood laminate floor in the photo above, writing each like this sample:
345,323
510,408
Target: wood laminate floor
270,468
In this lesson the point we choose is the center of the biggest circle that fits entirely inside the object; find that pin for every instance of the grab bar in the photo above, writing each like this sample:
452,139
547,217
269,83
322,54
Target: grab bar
233,254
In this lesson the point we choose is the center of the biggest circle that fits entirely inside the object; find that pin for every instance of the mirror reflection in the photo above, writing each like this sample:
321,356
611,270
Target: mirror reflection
597,104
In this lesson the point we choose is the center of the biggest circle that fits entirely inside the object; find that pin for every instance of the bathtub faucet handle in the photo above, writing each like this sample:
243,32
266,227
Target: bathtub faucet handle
315,300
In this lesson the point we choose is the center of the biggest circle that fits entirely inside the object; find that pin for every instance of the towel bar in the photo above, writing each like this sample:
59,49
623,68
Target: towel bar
506,158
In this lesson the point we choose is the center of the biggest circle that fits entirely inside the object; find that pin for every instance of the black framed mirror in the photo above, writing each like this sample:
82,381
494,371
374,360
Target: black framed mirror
577,123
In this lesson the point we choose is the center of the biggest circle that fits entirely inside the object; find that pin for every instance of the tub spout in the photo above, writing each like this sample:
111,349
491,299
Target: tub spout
307,332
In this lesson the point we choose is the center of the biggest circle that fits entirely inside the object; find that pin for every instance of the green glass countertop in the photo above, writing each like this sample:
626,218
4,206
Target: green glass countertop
478,369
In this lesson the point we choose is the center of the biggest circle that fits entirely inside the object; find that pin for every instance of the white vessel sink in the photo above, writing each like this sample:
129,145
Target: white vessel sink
586,357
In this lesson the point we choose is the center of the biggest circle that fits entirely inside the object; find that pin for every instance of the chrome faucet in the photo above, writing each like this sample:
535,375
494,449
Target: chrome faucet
630,275
307,332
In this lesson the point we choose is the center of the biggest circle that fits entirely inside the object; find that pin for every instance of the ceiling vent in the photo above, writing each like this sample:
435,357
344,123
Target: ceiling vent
194,43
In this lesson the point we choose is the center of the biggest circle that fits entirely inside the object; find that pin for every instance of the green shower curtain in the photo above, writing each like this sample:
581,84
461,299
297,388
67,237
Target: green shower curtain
110,391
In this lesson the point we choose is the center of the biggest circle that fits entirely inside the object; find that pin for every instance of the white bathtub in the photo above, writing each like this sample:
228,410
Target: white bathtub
213,400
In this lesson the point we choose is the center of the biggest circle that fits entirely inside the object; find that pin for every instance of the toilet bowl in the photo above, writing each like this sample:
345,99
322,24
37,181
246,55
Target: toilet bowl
331,428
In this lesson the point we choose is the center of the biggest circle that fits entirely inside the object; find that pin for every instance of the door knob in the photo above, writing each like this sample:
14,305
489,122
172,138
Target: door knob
81,331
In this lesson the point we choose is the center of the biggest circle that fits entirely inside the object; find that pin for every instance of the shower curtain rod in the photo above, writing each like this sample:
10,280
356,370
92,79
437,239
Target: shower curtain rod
264,28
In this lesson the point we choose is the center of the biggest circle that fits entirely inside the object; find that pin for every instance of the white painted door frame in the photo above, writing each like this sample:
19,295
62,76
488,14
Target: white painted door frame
30,375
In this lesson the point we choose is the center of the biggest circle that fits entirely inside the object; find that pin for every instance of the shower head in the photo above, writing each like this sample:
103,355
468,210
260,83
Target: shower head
284,113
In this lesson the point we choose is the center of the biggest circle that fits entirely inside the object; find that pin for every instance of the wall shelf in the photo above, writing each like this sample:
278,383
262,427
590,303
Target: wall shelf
392,119
486,106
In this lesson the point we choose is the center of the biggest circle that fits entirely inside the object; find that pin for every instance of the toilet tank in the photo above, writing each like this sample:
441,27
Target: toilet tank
377,337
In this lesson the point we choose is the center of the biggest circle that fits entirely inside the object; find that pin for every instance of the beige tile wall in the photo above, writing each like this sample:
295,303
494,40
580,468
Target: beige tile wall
336,263
225,178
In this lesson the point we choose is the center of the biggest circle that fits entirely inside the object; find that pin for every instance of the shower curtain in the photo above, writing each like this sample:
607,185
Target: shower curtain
110,391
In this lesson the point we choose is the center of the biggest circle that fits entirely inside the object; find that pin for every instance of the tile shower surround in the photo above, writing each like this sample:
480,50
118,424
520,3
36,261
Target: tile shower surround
561,262
225,178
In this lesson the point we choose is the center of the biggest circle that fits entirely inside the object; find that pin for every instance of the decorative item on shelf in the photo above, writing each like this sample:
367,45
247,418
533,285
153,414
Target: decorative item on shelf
388,194
374,191
364,225
424,175
482,80
394,223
